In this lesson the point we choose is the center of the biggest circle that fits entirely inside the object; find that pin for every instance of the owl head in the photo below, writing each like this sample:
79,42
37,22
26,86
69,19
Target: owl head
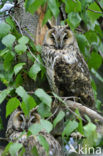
58,37
21,122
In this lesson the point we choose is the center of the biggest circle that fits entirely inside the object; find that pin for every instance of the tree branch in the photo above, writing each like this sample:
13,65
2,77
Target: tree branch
84,110
4,139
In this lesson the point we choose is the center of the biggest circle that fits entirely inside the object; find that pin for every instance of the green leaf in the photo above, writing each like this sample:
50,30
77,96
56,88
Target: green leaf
18,67
11,23
6,151
89,1
28,101
44,97
38,48
82,42
92,37
95,60
4,94
35,128
44,110
27,104
94,15
53,7
8,40
98,30
4,29
33,5
20,48
87,118
43,125
97,75
3,52
84,5
43,142
59,117
22,151
90,133
28,3
34,70
35,151
70,127
12,104
21,92
23,40
73,6
14,148
46,125
74,20
6,77
47,16
8,58
18,81
80,124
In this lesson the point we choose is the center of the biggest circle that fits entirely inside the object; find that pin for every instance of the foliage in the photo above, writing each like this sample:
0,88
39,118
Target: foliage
86,15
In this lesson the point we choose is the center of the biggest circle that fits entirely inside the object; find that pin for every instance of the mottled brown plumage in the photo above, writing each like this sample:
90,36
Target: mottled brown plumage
19,123
67,71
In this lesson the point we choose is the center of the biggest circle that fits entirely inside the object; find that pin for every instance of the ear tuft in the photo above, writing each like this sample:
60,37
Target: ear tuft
67,26
49,25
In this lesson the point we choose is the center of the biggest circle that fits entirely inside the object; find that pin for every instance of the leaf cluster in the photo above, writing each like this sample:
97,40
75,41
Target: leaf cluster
14,71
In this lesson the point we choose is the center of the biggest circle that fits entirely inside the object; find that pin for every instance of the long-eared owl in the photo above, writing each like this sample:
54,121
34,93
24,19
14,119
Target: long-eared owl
66,69
18,123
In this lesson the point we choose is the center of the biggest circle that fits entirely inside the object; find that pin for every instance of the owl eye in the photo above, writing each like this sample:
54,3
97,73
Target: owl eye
66,37
20,118
33,120
51,36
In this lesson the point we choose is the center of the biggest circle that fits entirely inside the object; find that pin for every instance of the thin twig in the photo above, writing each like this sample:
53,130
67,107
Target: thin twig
30,92
35,57
75,113
5,139
53,113
95,11
17,24
99,5
70,97
80,30
65,105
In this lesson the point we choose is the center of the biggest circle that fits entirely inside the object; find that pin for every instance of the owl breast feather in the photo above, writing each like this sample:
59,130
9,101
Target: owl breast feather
68,74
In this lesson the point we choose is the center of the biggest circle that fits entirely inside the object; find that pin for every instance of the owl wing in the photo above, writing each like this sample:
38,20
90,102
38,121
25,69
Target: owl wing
71,76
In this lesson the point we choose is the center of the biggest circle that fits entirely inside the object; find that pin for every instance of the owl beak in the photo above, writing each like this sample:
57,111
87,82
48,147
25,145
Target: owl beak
59,45
59,42
26,127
